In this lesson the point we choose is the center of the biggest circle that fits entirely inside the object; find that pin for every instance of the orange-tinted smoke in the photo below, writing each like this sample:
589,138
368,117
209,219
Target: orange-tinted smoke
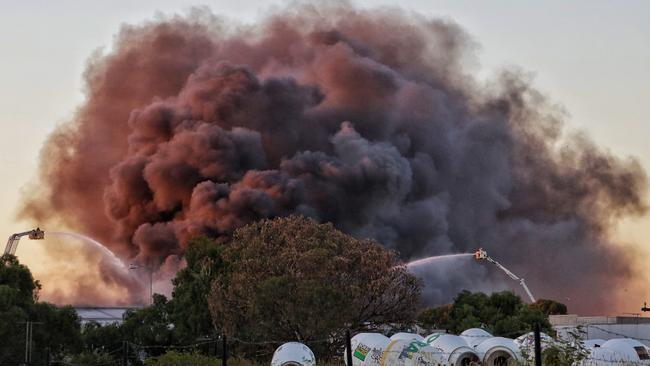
365,118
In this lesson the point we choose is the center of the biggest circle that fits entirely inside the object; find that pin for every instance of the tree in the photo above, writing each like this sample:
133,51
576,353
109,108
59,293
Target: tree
12,314
294,279
501,313
18,277
56,328
436,318
91,358
150,326
174,358
59,329
99,338
550,307
189,305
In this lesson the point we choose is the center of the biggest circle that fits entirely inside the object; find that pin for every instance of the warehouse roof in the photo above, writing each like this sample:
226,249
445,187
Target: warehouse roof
102,315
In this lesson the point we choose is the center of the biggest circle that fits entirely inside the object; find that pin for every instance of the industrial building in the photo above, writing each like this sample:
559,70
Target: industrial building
602,327
102,315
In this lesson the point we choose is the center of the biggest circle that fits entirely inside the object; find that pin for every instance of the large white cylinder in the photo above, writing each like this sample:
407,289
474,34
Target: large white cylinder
474,336
367,349
411,353
630,350
293,354
599,356
499,351
407,337
454,349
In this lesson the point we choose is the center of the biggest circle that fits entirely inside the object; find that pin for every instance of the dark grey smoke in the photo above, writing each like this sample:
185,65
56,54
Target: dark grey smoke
365,118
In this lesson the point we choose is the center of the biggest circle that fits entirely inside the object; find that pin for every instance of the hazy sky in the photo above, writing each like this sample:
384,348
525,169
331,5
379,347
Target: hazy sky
592,57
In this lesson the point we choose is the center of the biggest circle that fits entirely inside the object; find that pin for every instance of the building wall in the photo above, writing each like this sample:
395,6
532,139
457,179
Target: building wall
102,315
602,327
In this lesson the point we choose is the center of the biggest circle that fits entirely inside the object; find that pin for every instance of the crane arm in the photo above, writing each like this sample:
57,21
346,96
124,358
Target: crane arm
481,254
504,269
12,242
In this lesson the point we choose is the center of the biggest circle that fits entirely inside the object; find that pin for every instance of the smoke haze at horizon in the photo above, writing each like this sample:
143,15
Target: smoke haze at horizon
368,119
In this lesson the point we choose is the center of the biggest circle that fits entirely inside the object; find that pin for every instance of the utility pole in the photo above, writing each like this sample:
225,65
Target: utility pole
29,340
538,345
224,351
150,285
348,347
150,270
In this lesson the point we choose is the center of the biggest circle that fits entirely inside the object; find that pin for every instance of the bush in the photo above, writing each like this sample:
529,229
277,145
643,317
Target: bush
90,358
174,358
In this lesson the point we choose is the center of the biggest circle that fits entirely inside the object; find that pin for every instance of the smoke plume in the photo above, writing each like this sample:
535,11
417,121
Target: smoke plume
370,119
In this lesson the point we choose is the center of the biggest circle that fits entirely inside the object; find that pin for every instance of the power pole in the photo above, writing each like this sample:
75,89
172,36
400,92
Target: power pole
538,345
348,347
224,351
150,270
29,340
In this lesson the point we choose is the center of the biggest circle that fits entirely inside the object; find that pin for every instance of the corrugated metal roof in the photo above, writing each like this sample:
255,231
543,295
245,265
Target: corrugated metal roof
102,315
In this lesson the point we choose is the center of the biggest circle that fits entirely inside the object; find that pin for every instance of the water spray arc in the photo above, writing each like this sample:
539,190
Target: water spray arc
38,234
435,258
150,270
482,254
107,252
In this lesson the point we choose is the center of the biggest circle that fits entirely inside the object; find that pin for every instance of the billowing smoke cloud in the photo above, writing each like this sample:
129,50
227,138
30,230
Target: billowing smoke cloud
370,119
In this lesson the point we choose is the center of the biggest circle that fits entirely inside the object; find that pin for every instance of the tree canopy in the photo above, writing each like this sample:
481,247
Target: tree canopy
56,328
550,307
501,313
189,305
294,279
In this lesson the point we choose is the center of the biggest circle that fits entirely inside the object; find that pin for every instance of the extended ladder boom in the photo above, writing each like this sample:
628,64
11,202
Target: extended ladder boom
12,242
482,254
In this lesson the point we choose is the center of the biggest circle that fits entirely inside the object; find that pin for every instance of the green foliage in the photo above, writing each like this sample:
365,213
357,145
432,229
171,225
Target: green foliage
183,320
60,328
91,358
502,314
189,305
436,318
174,358
18,277
98,338
56,327
293,279
565,352
550,307
180,321
149,326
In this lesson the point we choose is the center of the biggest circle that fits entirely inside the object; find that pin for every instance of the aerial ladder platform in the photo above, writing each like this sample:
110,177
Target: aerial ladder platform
482,254
12,242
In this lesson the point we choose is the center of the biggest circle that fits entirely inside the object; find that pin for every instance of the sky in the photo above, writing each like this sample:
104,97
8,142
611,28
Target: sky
590,57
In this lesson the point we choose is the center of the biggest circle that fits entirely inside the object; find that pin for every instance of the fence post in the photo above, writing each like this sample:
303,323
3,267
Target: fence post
348,347
538,346
224,354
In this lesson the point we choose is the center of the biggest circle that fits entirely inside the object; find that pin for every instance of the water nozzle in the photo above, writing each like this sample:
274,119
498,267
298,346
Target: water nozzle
480,254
